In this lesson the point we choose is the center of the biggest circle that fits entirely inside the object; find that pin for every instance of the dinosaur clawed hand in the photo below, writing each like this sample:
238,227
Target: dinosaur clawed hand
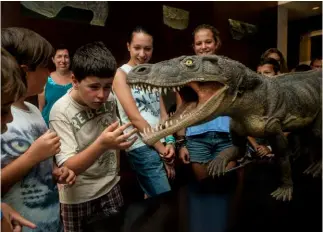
315,169
217,166
283,193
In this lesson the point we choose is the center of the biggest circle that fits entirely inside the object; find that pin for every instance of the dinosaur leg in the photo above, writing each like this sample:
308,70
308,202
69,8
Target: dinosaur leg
280,147
218,165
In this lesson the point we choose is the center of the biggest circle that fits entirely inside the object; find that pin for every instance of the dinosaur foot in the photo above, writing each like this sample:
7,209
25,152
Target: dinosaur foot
283,193
315,169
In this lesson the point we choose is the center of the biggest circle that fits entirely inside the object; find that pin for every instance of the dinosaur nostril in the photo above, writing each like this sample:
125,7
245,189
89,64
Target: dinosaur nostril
141,69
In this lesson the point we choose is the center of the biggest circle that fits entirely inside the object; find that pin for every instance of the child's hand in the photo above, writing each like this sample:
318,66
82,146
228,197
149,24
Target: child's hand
64,175
15,220
114,138
184,155
45,146
170,151
263,150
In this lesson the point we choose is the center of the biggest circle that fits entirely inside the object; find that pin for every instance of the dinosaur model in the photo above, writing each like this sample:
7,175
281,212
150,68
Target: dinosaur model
258,106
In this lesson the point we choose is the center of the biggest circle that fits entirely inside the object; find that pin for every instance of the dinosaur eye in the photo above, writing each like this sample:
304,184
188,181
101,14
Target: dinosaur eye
189,62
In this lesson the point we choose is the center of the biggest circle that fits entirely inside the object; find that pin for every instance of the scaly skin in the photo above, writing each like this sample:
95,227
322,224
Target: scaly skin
213,86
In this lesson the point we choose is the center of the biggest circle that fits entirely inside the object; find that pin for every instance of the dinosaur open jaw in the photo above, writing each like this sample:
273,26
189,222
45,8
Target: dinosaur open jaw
200,101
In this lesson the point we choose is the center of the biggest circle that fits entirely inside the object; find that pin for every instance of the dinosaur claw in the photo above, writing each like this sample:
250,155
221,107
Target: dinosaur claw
283,193
314,169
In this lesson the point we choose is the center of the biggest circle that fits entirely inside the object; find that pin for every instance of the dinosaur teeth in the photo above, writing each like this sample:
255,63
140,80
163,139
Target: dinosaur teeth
170,122
166,124
165,90
149,89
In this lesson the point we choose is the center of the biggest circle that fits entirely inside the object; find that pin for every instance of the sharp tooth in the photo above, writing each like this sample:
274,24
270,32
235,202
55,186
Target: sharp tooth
174,89
160,90
165,90
142,134
166,124
145,132
149,89
178,88
160,127
154,90
170,122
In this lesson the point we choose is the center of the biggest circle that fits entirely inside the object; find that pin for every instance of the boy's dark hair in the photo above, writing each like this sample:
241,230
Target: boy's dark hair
139,29
302,68
93,59
13,80
28,47
272,62
215,32
314,59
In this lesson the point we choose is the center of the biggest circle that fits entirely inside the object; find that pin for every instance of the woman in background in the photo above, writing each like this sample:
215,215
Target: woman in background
57,84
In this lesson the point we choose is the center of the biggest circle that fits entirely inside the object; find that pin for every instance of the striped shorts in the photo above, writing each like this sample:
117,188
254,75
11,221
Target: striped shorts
75,215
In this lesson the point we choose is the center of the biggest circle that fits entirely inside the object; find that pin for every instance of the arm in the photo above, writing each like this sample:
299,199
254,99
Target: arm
68,156
41,100
163,112
178,104
111,138
123,93
44,147
16,170
253,142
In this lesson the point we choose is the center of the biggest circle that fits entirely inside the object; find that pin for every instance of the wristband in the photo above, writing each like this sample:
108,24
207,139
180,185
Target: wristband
170,139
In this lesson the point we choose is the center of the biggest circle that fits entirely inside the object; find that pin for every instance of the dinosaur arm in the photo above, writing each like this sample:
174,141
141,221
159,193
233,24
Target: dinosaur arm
279,144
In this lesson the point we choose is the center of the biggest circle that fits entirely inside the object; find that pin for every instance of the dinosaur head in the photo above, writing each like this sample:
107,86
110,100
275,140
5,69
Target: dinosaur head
204,83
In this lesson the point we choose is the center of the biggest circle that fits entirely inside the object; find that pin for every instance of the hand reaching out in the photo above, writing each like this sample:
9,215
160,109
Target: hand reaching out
14,219
44,147
114,138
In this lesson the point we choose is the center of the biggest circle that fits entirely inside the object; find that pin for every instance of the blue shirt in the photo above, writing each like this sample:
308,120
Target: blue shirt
219,124
53,92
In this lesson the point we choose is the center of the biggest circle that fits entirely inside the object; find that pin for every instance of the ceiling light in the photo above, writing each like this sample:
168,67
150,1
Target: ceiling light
315,8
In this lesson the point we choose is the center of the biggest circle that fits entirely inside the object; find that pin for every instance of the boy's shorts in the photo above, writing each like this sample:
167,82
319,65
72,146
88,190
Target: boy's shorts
205,147
150,170
76,215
